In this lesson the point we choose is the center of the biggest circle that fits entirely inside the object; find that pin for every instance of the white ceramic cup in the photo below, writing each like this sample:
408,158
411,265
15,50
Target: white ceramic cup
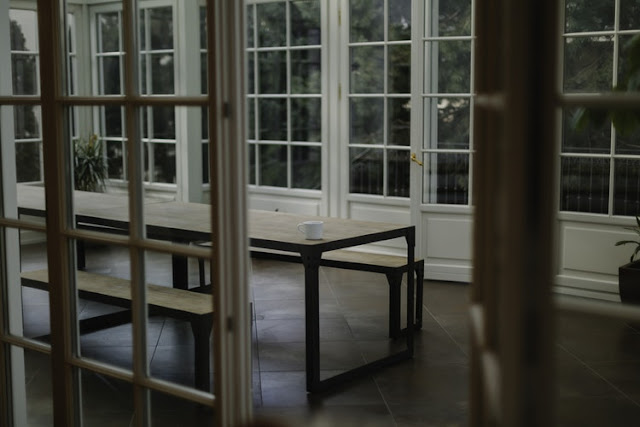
312,230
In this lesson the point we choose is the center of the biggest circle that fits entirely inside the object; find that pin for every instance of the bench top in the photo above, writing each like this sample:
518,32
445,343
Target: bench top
350,256
114,287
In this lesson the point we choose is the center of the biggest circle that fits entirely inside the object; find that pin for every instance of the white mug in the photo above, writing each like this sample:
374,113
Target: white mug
312,230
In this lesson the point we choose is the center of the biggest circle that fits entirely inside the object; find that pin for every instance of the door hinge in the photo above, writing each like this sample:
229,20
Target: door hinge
339,91
339,16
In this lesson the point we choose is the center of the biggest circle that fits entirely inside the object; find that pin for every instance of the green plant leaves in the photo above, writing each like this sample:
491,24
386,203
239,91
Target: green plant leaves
90,169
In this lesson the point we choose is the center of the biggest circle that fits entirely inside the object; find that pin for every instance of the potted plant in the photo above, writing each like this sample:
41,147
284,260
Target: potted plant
89,169
629,274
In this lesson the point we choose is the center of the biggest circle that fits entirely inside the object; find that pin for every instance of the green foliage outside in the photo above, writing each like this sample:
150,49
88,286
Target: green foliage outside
626,121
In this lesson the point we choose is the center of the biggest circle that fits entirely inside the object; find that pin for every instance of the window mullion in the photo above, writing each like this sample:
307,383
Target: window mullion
136,228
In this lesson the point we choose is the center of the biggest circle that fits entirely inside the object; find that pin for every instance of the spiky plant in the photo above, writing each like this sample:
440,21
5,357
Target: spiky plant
636,230
90,169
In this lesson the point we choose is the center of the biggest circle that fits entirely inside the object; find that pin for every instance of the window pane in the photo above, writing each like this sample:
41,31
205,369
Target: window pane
452,122
367,120
144,123
400,20
168,410
626,195
448,178
399,126
584,185
628,143
251,75
23,30
305,23
164,162
589,15
629,14
162,73
205,163
366,171
252,163
28,162
115,160
164,122
161,23
110,77
273,119
398,162
24,71
588,64
367,65
305,71
367,20
109,32
37,381
204,111
454,66
272,69
454,18
26,122
306,119
113,121
203,26
250,26
594,138
103,395
629,46
399,69
143,75
273,165
271,24
251,114
305,167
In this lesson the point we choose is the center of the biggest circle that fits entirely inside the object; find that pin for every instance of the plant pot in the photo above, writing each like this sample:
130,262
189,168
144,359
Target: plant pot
629,282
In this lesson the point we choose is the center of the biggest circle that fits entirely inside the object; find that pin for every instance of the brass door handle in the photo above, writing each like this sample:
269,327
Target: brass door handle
415,159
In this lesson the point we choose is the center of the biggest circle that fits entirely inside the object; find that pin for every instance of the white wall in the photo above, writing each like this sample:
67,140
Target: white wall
588,259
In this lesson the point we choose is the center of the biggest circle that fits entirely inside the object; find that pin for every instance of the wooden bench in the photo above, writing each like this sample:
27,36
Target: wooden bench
393,266
194,307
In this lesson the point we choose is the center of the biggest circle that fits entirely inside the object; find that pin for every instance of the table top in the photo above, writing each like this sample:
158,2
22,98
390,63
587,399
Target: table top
192,221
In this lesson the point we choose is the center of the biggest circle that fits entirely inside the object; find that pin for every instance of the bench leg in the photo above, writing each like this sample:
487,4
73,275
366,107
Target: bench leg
201,327
395,299
395,285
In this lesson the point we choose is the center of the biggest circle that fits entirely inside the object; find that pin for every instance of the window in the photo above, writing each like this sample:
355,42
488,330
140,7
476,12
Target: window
379,97
138,391
446,97
157,77
25,81
285,94
600,164
204,91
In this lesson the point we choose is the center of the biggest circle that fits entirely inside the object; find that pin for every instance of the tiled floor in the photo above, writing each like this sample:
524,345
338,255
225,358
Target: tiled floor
598,360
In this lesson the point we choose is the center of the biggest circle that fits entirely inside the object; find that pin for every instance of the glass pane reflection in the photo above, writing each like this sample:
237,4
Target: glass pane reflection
448,178
584,184
366,171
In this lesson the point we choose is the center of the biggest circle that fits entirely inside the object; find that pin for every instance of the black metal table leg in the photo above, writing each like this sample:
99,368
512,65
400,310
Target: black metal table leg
411,263
201,327
311,262
180,268
395,284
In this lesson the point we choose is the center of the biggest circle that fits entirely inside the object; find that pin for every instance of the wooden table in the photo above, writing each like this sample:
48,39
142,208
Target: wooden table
185,222
275,230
